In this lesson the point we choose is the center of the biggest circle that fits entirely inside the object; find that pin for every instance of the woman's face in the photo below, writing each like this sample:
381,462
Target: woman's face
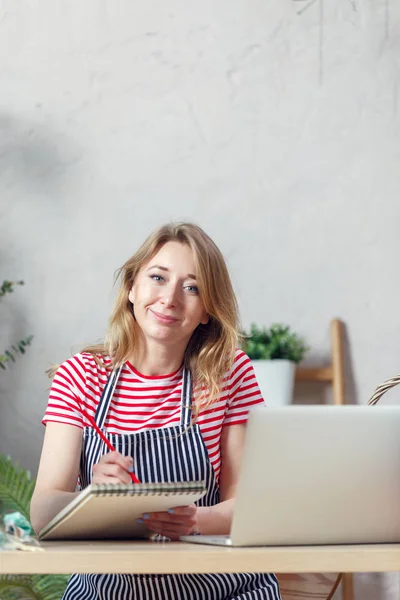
165,296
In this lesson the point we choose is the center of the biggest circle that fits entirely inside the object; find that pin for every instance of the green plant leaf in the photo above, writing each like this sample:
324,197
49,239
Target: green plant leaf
7,287
273,343
32,587
10,354
16,487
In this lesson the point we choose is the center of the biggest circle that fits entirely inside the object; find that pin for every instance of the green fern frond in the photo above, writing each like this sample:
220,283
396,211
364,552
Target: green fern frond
17,587
50,587
32,587
16,488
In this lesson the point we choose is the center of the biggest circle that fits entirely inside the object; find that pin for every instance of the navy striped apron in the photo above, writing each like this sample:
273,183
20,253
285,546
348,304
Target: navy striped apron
169,454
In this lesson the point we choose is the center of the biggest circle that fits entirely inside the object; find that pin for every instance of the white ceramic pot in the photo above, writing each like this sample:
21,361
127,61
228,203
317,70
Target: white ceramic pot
276,380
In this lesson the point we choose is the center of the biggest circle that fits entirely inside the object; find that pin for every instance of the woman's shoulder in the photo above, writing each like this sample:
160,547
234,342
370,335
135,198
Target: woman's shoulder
240,359
85,362
240,366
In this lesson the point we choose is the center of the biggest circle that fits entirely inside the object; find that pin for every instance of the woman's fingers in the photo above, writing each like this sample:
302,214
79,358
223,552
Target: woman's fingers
169,529
179,521
106,479
175,515
110,471
113,467
116,458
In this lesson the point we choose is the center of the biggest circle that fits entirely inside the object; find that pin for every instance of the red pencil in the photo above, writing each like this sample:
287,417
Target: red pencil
106,441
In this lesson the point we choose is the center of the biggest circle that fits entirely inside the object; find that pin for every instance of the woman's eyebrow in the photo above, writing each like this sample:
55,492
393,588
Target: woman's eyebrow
188,276
157,267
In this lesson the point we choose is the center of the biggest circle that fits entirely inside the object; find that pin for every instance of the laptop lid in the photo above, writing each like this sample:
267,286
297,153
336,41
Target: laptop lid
319,475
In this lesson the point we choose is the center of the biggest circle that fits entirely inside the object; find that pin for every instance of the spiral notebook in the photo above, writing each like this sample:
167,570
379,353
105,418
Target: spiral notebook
110,511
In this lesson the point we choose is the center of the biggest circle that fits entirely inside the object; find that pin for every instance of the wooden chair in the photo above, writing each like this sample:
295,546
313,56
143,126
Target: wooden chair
322,586
308,586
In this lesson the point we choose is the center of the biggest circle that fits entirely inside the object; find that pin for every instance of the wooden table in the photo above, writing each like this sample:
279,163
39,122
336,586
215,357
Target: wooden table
178,557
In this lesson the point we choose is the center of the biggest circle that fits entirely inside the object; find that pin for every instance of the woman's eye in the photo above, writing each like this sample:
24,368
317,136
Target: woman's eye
192,288
156,277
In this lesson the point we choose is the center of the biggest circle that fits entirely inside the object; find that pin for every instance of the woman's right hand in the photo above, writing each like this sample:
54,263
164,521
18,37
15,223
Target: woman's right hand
113,467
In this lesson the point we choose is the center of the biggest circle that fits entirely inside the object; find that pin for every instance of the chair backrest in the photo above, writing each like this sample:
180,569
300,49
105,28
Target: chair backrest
308,586
322,586
333,373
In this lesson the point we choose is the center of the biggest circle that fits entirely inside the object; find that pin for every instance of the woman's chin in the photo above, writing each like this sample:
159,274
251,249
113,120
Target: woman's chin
162,334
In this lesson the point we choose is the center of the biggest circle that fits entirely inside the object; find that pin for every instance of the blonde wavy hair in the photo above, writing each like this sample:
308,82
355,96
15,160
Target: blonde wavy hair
211,349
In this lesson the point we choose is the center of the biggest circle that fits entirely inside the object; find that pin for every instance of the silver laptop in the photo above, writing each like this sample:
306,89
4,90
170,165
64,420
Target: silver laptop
317,475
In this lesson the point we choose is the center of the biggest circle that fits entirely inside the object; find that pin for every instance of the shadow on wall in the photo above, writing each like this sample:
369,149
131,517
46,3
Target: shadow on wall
33,155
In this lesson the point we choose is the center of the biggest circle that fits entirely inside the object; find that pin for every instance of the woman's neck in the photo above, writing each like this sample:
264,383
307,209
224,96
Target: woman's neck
153,360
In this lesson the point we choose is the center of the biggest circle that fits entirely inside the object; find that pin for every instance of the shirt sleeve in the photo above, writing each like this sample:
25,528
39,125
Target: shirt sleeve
244,392
67,393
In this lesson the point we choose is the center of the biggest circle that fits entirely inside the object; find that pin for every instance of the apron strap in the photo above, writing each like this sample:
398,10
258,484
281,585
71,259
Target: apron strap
108,392
106,397
186,399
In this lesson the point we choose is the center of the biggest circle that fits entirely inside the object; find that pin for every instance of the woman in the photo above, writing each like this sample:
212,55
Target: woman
175,320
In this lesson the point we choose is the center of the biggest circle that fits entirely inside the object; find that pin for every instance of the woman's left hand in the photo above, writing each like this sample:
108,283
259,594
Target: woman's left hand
174,523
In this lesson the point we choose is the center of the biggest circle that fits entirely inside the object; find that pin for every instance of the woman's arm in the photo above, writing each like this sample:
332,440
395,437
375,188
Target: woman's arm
211,520
59,468
58,472
217,519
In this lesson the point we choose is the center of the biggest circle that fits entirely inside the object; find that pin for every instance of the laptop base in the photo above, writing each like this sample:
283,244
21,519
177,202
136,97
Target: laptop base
212,540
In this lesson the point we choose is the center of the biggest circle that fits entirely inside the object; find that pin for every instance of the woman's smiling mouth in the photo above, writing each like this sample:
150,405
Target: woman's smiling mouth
163,318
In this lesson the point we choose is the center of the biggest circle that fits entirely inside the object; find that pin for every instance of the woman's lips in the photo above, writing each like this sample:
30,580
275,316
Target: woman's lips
163,318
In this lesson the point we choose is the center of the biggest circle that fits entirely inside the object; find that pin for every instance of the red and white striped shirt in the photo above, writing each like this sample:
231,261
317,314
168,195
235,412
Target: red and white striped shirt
142,402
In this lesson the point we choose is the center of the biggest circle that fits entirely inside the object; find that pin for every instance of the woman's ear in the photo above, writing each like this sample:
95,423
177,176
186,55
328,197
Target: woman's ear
205,319
131,295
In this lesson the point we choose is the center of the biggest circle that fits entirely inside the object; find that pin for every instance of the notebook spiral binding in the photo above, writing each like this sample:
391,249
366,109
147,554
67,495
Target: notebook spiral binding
148,489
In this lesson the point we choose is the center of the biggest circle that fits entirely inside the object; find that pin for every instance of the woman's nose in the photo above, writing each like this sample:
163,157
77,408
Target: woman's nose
170,296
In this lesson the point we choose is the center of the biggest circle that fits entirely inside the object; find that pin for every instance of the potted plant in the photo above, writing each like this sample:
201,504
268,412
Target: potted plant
274,353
